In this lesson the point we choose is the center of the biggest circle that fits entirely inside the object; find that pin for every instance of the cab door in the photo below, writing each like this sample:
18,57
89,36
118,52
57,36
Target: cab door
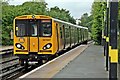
33,35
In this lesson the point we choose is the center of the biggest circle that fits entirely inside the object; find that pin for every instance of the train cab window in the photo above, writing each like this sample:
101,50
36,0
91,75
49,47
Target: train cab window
46,28
34,30
20,28
33,27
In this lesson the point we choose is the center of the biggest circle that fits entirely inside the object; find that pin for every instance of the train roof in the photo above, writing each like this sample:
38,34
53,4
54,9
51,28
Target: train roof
69,23
33,16
43,16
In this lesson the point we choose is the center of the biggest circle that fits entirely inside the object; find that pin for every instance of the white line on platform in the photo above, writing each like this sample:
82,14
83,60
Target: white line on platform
47,63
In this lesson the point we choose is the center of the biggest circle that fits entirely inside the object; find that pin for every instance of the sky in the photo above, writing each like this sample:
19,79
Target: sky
76,7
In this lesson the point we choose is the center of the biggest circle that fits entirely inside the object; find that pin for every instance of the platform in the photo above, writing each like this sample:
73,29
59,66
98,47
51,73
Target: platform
82,62
89,64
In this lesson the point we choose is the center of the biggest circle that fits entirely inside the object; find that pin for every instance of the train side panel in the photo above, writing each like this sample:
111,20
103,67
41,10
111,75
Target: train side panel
67,36
55,35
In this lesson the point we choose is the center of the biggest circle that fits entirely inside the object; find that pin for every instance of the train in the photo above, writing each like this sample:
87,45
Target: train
38,37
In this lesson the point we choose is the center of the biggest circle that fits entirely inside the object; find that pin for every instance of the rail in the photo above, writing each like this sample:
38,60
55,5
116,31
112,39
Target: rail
2,52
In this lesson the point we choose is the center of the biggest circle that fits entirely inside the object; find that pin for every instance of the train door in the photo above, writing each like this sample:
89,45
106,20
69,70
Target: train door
58,42
33,35
61,37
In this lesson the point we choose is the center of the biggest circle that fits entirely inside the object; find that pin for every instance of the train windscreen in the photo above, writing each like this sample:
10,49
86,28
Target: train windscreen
46,28
33,27
20,28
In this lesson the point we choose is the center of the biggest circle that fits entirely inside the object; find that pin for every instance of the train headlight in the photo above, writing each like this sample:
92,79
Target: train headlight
33,16
19,46
47,46
44,48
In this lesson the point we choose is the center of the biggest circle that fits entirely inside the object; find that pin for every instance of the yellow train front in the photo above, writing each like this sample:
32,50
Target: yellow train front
38,37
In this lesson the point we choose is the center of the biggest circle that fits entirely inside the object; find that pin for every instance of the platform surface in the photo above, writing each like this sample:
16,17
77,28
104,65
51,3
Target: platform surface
89,64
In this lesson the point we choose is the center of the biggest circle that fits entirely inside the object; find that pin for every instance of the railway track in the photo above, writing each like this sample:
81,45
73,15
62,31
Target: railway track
6,53
9,63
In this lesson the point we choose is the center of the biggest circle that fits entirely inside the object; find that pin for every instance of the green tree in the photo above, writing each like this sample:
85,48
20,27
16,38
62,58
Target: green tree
61,14
98,9
86,21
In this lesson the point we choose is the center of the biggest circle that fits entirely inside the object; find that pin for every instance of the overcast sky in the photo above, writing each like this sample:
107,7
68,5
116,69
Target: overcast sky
76,7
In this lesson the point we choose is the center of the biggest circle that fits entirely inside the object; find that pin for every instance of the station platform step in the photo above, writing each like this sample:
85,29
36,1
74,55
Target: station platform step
89,64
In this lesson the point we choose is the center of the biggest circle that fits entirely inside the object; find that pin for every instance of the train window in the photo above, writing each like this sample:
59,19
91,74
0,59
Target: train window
20,27
66,31
61,32
34,30
33,27
46,28
63,27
